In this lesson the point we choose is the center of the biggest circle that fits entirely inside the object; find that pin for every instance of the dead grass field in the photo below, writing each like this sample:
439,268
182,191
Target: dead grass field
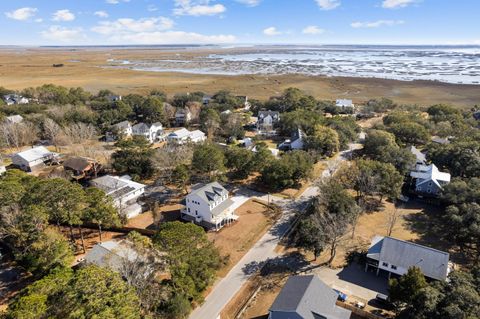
236,240
21,68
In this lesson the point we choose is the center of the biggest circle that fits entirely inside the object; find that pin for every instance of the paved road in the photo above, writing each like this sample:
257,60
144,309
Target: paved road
226,288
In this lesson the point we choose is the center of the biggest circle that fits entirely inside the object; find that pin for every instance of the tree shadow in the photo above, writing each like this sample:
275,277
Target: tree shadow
286,264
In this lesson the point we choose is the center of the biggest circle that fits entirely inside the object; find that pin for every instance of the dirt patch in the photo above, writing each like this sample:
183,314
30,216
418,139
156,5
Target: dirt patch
235,241
148,220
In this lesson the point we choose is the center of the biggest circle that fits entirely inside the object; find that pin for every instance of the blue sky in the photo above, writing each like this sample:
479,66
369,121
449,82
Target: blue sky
110,22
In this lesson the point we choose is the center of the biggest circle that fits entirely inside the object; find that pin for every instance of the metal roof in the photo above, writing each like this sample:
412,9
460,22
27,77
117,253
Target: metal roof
421,157
425,174
307,297
405,254
35,154
116,186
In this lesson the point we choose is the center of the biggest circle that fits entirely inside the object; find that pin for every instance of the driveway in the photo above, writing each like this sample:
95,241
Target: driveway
353,281
226,288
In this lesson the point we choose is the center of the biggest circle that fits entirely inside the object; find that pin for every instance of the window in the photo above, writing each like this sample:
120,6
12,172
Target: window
384,264
189,209
393,267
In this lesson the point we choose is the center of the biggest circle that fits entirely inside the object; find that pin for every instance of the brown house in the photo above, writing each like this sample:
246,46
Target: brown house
82,167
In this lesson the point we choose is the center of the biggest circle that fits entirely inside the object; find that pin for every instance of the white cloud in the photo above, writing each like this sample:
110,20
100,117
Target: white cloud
39,20
22,14
250,3
393,4
154,30
127,25
101,14
116,1
272,31
328,4
376,24
197,8
63,15
313,29
60,34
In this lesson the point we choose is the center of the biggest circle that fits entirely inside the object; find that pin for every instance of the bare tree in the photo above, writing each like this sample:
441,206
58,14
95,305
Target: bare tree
392,220
18,134
167,158
52,131
80,132
170,110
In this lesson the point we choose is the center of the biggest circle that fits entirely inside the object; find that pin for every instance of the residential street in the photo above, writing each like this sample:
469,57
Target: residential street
226,288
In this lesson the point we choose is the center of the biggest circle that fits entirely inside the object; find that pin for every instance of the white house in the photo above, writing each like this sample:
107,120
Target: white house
183,135
267,120
152,132
345,105
296,142
11,99
14,119
123,129
209,206
123,191
183,116
33,158
429,180
114,98
397,256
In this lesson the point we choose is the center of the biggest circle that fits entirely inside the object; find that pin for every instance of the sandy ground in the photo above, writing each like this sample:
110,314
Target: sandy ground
20,68
236,240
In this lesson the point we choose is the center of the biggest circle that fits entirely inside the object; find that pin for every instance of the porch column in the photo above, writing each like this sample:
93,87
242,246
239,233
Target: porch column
378,270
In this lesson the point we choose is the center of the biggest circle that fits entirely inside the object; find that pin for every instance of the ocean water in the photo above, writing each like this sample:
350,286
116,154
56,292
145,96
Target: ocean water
435,63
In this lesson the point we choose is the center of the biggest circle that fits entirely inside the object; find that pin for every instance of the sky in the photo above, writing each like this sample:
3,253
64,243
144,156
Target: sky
133,22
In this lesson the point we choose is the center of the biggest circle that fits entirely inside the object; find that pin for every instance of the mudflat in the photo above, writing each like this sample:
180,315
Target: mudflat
88,68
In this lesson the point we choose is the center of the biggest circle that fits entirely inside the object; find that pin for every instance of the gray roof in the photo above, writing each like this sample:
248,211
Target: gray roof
432,262
122,125
111,254
274,114
209,192
35,154
307,297
421,157
217,210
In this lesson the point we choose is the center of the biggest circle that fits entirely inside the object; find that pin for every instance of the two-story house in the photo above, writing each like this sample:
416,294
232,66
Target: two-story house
12,99
122,129
209,205
152,132
267,120
123,191
429,180
296,142
183,116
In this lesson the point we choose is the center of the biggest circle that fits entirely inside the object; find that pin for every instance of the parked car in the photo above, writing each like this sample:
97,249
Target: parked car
383,301
341,296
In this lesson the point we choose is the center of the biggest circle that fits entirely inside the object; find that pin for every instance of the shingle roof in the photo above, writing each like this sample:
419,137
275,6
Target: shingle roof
307,297
421,157
181,133
209,192
122,125
263,114
432,262
78,163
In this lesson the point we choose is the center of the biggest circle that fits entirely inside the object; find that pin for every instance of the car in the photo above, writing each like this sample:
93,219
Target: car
341,296
383,301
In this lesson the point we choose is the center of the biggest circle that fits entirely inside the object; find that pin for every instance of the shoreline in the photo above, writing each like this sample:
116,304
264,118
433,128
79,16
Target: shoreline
21,69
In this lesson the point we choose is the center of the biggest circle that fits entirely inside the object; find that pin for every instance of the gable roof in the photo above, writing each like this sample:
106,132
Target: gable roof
421,157
122,125
307,297
181,133
209,192
405,254
78,163
35,154
263,114
430,173
115,186
344,103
